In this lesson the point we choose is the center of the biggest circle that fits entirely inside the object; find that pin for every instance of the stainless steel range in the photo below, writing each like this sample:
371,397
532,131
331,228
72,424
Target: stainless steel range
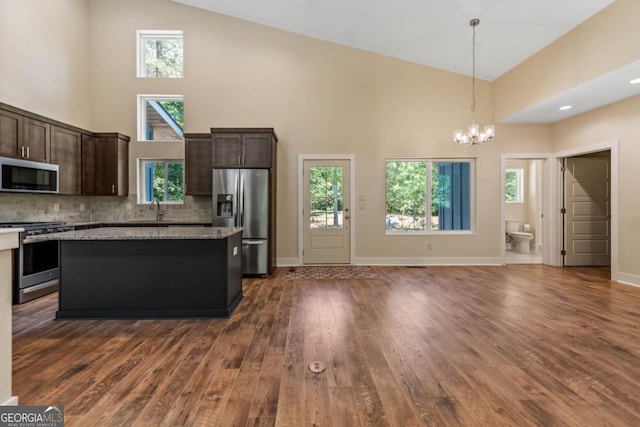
35,264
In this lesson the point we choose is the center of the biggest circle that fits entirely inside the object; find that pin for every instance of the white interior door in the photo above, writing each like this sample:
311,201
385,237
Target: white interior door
326,212
588,214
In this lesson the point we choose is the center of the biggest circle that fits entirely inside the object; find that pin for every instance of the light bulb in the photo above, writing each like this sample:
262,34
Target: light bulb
489,130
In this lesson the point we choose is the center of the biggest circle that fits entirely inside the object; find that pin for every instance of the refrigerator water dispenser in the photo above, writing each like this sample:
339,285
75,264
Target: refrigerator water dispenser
225,205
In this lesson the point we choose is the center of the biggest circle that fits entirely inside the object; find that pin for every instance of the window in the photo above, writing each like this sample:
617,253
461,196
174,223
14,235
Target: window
160,118
429,195
160,54
326,196
513,185
161,180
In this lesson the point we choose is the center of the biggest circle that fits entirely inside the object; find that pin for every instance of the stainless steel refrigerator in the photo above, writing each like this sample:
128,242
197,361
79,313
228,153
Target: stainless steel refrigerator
241,199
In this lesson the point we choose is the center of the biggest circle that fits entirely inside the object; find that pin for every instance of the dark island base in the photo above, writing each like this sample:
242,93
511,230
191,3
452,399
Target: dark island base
120,279
223,313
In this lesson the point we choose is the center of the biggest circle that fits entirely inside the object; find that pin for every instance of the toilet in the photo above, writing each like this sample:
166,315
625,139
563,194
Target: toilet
520,241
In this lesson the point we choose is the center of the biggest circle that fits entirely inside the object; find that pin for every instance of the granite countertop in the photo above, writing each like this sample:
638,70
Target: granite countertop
142,233
142,222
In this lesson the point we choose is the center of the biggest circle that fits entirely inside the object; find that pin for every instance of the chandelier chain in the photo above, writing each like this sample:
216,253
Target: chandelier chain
473,75
475,135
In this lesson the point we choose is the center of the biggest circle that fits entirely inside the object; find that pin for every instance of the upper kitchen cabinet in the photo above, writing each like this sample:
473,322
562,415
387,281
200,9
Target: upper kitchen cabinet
88,164
22,136
105,164
66,152
93,164
244,147
37,140
198,163
11,128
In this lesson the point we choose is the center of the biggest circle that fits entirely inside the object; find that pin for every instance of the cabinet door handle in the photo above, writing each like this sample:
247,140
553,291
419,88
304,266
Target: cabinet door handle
113,188
22,151
28,153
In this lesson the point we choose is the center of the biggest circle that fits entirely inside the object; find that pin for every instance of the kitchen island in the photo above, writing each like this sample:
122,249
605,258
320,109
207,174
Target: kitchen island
149,272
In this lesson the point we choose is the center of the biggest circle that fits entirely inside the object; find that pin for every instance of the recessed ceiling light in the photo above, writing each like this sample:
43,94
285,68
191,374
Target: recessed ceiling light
635,81
565,107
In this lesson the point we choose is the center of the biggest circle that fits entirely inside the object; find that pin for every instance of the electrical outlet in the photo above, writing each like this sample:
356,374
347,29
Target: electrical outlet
429,246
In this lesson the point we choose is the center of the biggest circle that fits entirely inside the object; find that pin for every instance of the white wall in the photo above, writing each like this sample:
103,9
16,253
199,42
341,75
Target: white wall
44,58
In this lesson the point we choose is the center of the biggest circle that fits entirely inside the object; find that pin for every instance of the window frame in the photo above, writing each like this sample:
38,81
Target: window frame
519,185
142,183
429,196
141,36
142,115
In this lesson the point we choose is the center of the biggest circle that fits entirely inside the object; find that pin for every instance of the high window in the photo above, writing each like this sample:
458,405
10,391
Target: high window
160,54
424,196
161,180
160,118
513,185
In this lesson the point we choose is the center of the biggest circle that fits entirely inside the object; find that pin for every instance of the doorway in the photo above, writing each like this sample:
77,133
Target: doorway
556,223
326,223
524,205
587,210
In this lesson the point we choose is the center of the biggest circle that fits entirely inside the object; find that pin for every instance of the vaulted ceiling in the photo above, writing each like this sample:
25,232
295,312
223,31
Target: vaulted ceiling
437,33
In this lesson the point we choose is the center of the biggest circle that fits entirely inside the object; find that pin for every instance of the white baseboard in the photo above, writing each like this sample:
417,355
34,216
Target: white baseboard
429,261
287,262
627,279
12,401
293,262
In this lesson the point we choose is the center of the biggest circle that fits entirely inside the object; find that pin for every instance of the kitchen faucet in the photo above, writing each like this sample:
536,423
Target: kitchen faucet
159,213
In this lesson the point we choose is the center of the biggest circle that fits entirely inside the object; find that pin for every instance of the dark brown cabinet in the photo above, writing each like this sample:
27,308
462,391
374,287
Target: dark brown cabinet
198,149
23,136
243,147
37,140
92,164
105,164
88,164
11,129
66,149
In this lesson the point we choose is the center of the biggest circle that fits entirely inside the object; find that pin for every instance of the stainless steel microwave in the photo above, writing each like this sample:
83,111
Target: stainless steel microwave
28,177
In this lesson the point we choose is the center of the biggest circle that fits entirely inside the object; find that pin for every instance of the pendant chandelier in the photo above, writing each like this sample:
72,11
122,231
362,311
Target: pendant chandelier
474,136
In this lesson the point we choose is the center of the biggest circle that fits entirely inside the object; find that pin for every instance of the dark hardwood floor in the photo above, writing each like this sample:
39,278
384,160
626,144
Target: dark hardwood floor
524,345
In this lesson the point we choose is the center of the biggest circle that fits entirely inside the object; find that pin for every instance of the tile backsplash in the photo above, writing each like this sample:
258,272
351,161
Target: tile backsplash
53,207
